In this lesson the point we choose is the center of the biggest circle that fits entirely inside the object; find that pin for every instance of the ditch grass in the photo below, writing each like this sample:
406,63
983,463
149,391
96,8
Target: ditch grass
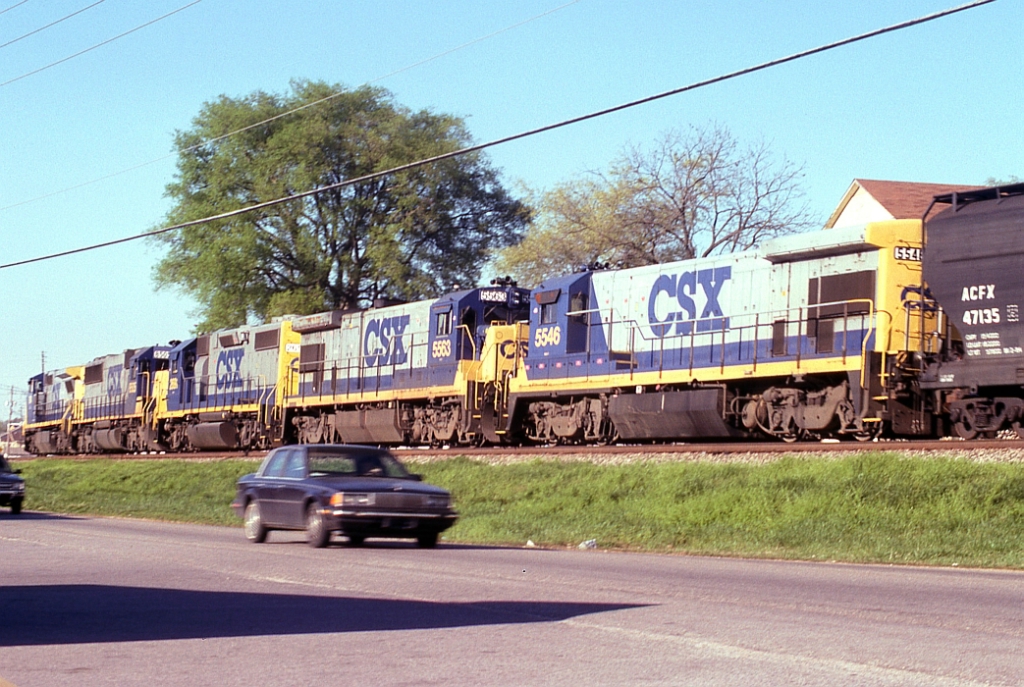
872,507
174,490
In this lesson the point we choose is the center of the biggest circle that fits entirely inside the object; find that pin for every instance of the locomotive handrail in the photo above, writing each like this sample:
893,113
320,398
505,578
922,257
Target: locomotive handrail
261,412
469,336
204,399
883,353
717,336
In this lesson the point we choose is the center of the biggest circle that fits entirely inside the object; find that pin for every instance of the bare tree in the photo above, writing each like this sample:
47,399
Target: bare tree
696,193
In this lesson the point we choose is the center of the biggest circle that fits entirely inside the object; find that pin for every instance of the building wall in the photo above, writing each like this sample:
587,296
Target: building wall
861,209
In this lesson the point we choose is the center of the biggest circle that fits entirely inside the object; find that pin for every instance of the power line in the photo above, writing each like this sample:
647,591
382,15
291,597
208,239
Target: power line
53,23
289,112
17,4
514,137
99,45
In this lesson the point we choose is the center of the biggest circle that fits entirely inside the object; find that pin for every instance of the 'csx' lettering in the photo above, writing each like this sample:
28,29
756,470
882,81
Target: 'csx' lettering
382,342
979,292
229,368
683,288
114,380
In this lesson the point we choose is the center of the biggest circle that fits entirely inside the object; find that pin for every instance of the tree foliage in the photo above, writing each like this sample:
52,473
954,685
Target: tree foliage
994,181
407,235
697,193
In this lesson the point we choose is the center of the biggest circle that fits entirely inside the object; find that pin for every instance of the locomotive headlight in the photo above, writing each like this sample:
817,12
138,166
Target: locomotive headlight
350,498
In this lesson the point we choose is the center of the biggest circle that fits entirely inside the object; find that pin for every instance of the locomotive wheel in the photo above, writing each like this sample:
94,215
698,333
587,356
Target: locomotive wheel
1018,427
965,429
870,432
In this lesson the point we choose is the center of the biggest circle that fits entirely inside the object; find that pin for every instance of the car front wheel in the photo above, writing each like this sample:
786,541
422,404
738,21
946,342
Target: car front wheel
427,540
15,506
317,533
255,530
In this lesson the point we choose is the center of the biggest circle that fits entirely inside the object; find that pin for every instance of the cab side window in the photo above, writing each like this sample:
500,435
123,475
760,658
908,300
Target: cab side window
443,326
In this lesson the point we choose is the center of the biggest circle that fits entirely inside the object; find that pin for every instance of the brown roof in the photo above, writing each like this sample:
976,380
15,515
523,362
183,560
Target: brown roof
907,199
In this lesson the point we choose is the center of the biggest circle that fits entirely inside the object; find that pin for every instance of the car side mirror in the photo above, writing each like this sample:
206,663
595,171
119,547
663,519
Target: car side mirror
18,471
415,477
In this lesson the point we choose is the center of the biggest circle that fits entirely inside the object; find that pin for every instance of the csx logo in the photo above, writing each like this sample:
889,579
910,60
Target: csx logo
683,289
382,342
229,368
510,348
114,381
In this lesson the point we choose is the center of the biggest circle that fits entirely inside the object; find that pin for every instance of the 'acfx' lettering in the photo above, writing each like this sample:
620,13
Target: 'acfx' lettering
382,341
683,288
979,292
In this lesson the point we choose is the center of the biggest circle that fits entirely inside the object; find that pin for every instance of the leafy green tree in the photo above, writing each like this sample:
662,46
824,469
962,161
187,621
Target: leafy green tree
409,235
693,194
993,181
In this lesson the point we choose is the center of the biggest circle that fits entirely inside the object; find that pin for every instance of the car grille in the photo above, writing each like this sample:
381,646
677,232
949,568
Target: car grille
400,501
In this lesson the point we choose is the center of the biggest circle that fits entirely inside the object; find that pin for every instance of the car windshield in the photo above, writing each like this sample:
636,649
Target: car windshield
323,462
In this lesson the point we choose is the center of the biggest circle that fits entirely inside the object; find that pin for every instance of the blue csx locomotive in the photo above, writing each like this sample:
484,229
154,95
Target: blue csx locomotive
855,332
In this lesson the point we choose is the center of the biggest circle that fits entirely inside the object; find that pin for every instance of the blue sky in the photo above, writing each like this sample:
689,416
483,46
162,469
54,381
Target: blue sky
939,102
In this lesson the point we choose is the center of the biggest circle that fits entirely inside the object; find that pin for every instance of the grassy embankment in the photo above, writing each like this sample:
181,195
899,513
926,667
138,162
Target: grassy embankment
871,507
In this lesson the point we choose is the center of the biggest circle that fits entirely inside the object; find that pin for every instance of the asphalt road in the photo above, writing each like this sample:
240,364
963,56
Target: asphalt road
96,601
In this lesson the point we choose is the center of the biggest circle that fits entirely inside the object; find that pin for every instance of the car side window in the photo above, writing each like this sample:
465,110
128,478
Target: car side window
324,465
275,468
296,467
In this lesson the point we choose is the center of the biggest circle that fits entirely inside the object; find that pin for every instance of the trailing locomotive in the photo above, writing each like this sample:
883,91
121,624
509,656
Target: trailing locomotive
225,390
412,373
857,333
108,404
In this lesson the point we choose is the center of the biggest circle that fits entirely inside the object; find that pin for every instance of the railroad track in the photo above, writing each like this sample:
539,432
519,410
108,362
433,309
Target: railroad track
986,449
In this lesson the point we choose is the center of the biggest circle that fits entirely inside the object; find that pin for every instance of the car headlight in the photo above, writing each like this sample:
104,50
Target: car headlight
351,498
438,500
19,486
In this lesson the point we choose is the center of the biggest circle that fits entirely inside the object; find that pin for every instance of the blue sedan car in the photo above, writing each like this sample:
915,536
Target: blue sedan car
12,487
357,491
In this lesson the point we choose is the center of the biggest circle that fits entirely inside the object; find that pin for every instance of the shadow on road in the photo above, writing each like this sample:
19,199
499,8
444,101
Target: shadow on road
37,515
75,614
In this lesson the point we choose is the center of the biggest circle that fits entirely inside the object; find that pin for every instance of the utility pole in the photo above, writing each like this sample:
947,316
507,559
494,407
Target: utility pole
10,417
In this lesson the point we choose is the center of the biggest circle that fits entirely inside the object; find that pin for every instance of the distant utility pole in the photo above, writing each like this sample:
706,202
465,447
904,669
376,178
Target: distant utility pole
10,417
